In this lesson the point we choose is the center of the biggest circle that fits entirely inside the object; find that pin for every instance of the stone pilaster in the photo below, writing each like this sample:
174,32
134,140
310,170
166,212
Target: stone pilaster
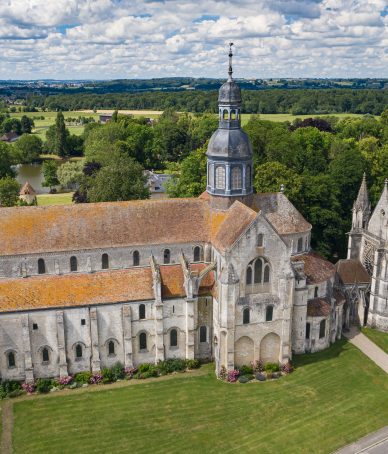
94,344
63,372
127,335
190,325
159,329
28,368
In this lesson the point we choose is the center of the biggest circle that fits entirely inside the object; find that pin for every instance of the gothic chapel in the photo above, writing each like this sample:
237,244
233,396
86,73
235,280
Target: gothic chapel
229,276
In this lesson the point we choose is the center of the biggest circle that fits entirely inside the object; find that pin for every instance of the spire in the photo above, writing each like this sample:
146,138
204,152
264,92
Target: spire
362,202
230,71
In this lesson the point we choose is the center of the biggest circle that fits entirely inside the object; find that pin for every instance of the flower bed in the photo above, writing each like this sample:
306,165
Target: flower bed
112,374
256,370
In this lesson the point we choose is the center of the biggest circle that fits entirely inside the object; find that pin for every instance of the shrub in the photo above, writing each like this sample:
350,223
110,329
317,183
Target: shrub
82,377
246,370
107,375
243,379
193,363
172,365
117,371
43,385
29,388
64,381
271,367
144,367
258,366
233,376
7,387
130,372
96,378
16,393
287,368
223,373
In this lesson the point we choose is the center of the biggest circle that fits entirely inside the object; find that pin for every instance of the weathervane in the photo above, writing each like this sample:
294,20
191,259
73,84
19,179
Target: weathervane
230,72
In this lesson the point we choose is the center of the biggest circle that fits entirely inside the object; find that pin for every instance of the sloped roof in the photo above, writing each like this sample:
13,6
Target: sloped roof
103,225
236,221
281,213
111,286
27,189
318,307
316,268
351,271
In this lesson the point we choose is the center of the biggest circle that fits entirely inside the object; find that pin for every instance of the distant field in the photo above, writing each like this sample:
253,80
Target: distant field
54,199
41,126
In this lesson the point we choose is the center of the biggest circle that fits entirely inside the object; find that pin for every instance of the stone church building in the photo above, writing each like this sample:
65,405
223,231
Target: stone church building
229,276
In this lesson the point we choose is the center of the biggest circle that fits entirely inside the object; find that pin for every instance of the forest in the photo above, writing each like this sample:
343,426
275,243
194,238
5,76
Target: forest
297,102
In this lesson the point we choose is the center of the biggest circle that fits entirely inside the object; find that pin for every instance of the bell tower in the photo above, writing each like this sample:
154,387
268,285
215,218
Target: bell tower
229,164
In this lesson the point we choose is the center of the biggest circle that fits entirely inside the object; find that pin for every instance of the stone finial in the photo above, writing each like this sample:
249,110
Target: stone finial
362,201
230,71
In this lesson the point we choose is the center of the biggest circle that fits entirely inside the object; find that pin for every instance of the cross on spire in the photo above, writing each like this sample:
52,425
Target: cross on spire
230,71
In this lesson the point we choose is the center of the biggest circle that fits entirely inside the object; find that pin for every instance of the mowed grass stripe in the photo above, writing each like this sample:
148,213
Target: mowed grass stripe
332,398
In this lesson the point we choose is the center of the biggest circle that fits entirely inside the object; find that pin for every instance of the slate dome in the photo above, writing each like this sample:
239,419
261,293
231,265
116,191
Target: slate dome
230,143
229,93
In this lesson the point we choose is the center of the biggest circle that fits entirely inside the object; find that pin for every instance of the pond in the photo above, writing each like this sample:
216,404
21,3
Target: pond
33,174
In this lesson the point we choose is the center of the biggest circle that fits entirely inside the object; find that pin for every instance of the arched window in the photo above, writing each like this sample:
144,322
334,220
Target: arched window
166,256
111,348
225,114
104,261
236,178
246,316
142,314
300,244
233,115
78,351
136,258
202,334
220,177
11,359
307,330
260,240
269,314
45,355
73,263
173,338
197,254
258,273
322,329
315,292
143,341
248,177
41,266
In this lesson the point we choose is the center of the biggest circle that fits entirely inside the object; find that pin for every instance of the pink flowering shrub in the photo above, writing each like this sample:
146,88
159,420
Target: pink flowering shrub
96,379
257,366
29,388
233,376
65,380
287,368
130,372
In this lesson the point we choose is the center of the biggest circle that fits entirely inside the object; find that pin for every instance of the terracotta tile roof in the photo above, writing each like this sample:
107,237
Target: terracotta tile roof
172,280
103,225
318,307
351,271
27,189
75,289
236,221
316,268
281,213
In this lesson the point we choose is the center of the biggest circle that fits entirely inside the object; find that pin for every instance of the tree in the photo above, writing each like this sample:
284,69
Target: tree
70,174
28,148
27,124
49,170
61,135
6,160
191,181
271,175
9,192
12,124
114,116
120,179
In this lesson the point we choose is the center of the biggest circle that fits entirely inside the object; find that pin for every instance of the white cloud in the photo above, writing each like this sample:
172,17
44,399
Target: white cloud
128,38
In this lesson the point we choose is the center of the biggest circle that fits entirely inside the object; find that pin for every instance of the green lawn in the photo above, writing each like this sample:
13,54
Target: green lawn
54,199
332,398
378,337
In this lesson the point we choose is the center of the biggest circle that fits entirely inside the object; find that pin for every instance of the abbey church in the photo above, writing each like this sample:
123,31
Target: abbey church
229,276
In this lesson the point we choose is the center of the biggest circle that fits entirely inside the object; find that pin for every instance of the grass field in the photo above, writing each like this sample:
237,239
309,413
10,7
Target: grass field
54,199
378,337
333,398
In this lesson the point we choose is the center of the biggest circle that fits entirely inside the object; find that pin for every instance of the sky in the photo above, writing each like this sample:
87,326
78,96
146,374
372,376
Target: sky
123,39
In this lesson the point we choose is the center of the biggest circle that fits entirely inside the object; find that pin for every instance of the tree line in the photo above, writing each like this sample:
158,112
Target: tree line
298,102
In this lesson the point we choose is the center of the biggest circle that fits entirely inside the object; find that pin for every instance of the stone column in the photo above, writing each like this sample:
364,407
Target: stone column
63,372
190,325
27,349
159,339
127,335
95,362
